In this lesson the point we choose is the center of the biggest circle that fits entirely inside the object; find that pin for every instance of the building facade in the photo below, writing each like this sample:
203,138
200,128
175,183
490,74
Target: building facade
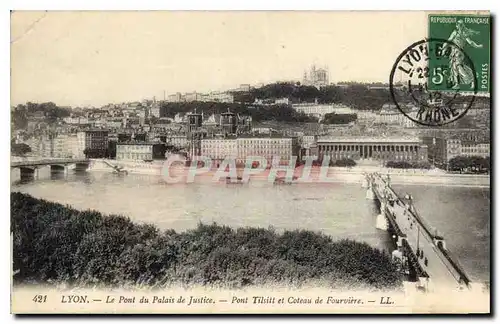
134,151
381,149
176,97
94,142
282,101
390,114
241,148
442,149
267,147
155,110
458,147
218,96
180,141
313,109
229,123
193,96
67,146
96,139
219,148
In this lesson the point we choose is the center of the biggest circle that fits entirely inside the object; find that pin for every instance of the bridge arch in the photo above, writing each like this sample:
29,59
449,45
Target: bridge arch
59,168
30,172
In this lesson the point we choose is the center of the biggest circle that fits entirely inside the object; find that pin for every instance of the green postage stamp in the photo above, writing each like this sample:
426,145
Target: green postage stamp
462,63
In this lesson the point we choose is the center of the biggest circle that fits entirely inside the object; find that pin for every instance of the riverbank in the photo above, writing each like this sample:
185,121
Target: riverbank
333,174
58,245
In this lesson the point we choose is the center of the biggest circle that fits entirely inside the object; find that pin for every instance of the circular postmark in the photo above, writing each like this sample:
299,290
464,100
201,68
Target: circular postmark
427,82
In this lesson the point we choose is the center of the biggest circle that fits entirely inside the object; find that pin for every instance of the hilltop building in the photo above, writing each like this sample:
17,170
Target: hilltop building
317,77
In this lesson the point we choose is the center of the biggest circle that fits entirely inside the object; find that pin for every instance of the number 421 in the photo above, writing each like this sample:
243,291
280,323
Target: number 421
40,298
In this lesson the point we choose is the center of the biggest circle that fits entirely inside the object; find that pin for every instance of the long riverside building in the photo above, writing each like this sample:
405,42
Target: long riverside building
383,149
245,146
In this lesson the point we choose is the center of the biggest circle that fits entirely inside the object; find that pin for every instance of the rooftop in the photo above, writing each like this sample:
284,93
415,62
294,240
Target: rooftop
368,140
137,143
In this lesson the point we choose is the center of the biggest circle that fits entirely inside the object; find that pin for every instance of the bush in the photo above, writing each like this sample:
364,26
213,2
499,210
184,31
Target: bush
344,162
20,149
408,165
469,163
58,244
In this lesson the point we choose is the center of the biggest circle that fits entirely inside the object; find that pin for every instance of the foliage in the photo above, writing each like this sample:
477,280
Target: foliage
19,118
94,153
407,165
356,95
469,163
58,244
334,118
19,149
159,150
111,152
49,110
258,113
344,162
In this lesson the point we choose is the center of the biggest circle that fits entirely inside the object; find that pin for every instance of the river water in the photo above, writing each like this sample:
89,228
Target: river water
461,214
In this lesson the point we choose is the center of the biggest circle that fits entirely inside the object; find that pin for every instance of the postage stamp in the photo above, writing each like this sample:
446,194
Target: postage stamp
434,81
464,63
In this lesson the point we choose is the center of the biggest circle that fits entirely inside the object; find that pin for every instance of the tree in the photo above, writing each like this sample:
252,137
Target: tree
334,118
111,149
91,153
462,163
159,151
20,149
344,162
458,163
282,112
407,165
19,117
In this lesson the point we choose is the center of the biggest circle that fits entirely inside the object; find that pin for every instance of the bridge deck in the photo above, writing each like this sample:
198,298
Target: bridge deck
437,263
28,163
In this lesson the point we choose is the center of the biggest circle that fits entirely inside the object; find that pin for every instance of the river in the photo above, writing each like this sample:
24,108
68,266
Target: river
461,214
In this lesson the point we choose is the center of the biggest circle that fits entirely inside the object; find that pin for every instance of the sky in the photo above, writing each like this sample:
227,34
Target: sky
91,58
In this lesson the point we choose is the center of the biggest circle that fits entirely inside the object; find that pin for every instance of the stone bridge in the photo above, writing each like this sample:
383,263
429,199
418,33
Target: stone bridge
422,252
29,168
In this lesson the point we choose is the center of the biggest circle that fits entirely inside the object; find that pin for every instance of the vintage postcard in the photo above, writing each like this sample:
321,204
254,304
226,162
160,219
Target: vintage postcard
189,162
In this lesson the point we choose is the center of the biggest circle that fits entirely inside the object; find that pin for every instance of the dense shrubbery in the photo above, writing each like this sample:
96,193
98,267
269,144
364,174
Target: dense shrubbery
336,119
283,113
345,162
51,112
359,96
407,165
469,163
54,243
19,149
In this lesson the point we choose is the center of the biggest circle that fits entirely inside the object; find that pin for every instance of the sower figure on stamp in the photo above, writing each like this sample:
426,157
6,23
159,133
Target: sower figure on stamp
460,71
